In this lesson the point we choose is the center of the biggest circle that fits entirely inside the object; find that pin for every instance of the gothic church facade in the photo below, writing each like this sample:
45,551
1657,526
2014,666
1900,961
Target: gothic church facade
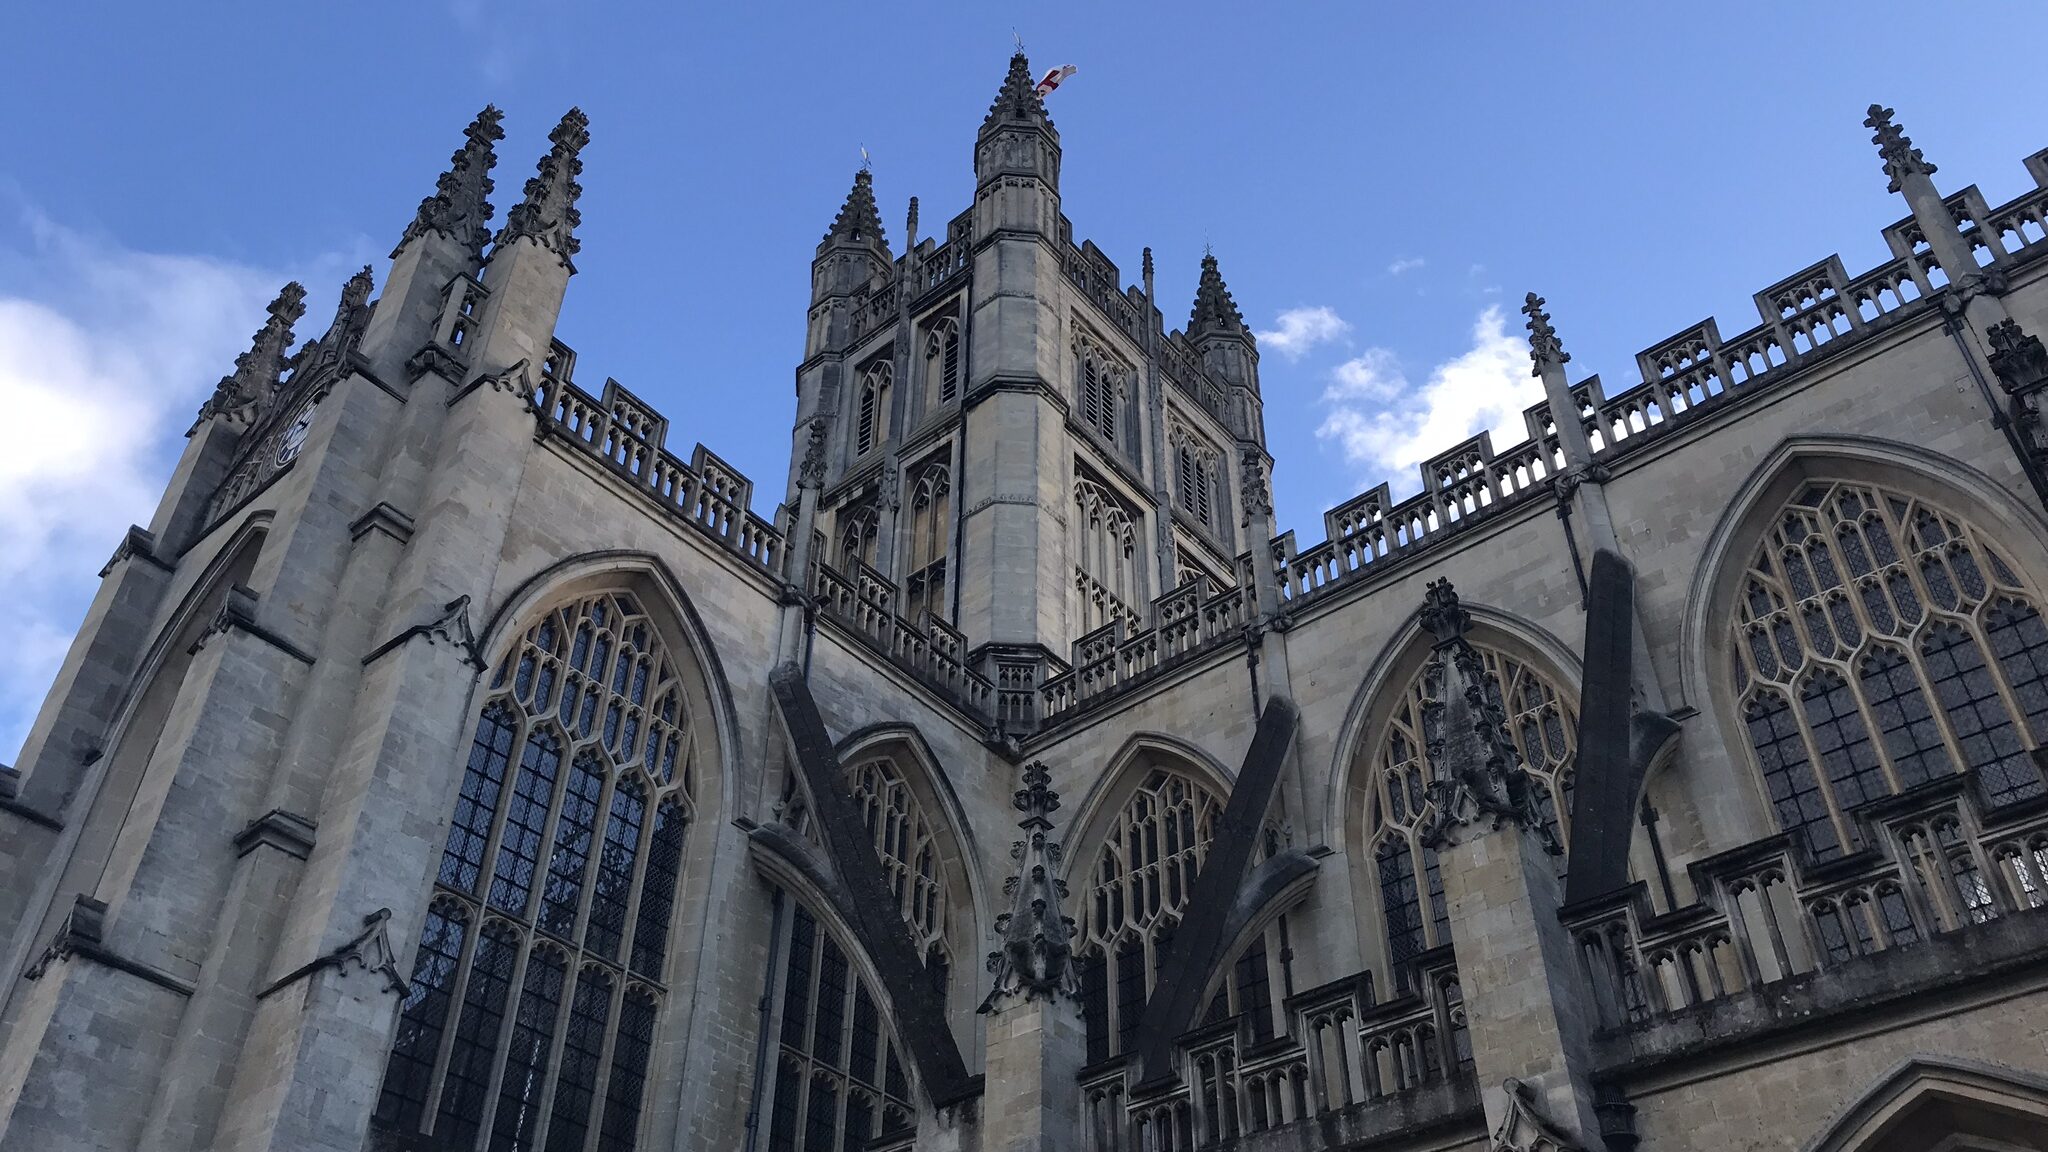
452,764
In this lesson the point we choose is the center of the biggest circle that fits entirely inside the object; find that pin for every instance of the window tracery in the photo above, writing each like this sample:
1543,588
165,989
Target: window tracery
942,364
858,530
930,528
1106,568
545,944
1101,390
871,417
1880,642
839,1080
1137,889
1542,722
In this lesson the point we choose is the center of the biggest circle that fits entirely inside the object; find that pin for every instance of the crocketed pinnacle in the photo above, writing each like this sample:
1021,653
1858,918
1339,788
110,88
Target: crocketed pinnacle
1017,102
1036,960
242,393
1895,148
461,204
1544,347
548,214
859,221
1215,313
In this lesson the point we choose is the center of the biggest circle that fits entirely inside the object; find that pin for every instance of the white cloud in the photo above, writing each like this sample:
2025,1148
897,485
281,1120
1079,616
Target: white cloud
1300,329
1405,264
105,352
1386,426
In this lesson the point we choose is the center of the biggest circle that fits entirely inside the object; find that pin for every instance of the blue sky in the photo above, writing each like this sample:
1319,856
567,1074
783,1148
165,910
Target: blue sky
1386,173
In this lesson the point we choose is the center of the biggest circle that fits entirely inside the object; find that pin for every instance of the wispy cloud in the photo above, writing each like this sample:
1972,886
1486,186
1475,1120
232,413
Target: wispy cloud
1299,329
1405,264
105,352
1385,425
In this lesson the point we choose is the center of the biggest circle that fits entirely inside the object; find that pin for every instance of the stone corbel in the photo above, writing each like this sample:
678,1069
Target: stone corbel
383,518
370,949
436,359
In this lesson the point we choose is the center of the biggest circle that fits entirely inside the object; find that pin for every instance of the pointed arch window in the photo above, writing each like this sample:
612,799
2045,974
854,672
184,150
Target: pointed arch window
931,521
1137,888
1100,391
1106,561
857,536
839,1080
542,960
1542,721
1881,641
942,364
871,417
1196,468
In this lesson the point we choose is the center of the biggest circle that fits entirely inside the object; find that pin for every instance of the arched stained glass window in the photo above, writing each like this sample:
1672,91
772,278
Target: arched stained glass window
1136,890
1880,642
1543,723
542,958
839,1079
907,845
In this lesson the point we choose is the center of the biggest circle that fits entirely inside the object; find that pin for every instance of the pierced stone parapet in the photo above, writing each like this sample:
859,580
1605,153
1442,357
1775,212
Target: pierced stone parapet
1804,319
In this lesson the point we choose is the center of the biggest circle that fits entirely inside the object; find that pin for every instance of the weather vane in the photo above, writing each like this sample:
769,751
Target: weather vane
866,164
1018,38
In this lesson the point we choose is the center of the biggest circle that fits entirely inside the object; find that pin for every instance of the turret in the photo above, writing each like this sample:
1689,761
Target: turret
1017,160
1229,353
854,249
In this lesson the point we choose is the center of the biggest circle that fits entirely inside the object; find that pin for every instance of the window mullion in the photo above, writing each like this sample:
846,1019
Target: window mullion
458,992
1818,764
600,1104
502,1044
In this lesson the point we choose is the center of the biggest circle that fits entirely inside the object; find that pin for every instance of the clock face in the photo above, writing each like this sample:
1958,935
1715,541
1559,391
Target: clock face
294,437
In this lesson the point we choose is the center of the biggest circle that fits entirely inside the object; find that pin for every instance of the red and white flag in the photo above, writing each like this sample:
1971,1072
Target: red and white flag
1053,79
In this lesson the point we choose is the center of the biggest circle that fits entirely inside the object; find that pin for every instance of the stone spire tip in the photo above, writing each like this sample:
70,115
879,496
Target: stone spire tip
547,214
1215,312
1544,346
1895,148
859,220
1017,100
461,204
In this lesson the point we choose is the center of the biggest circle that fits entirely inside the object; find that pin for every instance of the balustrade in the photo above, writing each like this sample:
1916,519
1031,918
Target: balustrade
1933,860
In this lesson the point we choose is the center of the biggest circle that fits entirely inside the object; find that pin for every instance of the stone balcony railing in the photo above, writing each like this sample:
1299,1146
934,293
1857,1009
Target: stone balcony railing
1932,862
1804,318
1344,1062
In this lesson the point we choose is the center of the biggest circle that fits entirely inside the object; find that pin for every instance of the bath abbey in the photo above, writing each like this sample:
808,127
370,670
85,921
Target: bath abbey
460,759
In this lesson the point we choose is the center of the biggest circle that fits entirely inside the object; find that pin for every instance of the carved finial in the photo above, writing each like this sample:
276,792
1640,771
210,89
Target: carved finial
1036,960
356,292
1442,615
1525,1128
461,204
1900,157
910,227
1544,348
1214,312
1255,492
2017,357
1146,267
811,472
242,394
548,212
859,221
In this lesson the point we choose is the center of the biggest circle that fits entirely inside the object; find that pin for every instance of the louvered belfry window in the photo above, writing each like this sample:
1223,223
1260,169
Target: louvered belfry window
1879,642
542,959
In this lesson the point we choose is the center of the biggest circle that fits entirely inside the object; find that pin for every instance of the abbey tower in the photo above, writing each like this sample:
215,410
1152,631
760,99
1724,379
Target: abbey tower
456,762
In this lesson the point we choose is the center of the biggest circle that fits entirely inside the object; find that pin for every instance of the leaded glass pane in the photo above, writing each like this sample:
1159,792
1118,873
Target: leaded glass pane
585,684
